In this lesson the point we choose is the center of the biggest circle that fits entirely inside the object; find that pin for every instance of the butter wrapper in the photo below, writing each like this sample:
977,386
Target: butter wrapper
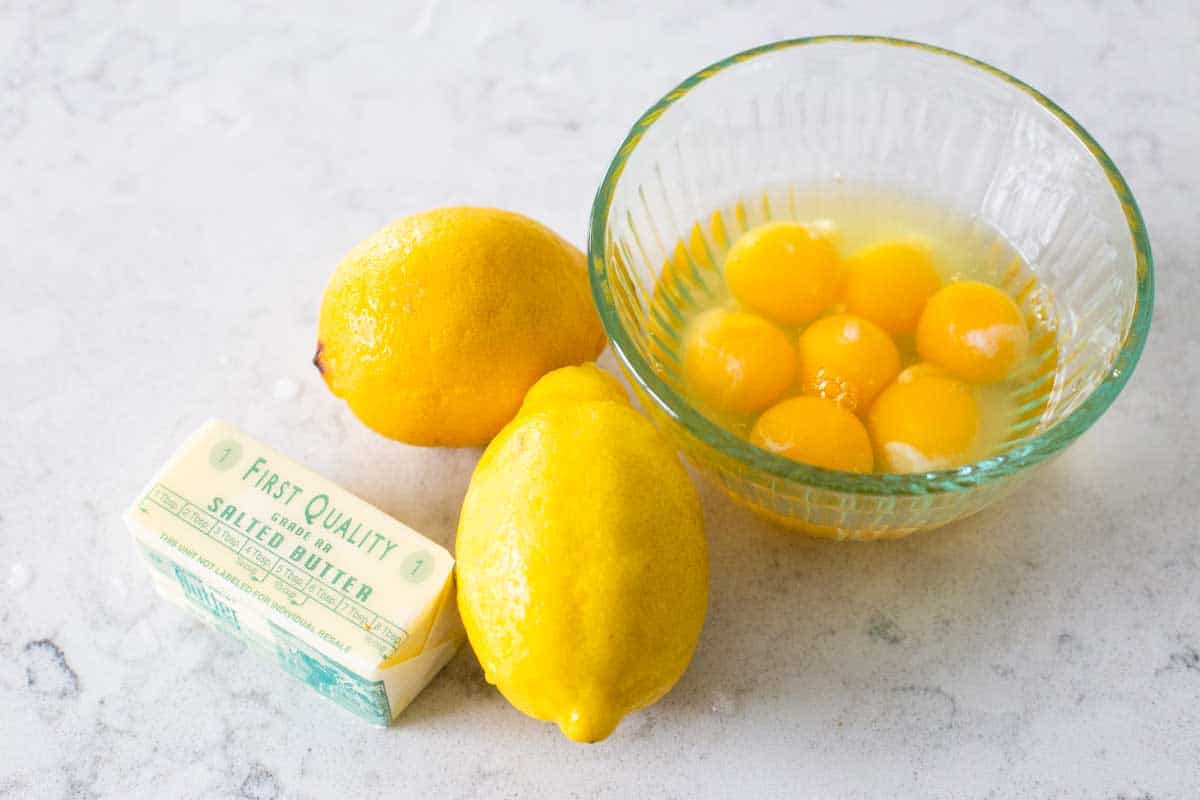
344,597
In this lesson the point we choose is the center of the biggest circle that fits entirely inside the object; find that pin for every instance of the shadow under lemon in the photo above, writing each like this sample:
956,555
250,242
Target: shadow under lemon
807,622
802,629
802,626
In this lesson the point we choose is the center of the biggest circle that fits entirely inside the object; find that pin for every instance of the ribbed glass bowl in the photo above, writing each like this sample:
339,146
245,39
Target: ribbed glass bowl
900,116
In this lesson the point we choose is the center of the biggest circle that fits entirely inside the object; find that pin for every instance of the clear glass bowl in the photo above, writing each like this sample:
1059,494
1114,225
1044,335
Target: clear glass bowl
903,116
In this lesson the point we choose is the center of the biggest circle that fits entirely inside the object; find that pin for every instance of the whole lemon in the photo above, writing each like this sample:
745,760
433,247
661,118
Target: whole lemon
433,328
582,563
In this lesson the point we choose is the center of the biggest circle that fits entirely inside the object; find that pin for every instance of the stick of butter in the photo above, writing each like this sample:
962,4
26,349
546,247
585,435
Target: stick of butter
344,597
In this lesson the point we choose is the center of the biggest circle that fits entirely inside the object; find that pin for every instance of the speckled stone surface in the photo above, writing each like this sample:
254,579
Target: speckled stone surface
178,180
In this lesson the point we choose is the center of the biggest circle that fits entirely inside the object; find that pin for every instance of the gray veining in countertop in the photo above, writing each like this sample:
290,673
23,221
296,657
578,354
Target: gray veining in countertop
178,180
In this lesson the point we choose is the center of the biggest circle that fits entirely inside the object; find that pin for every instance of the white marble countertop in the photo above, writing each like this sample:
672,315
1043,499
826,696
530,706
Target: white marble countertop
178,180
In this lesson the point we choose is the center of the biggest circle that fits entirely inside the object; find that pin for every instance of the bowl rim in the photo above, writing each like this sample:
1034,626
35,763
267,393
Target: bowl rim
1036,450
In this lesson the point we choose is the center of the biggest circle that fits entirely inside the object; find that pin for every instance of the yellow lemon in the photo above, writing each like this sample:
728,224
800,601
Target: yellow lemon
847,359
783,272
889,284
924,423
582,563
433,329
974,331
736,361
815,431
573,385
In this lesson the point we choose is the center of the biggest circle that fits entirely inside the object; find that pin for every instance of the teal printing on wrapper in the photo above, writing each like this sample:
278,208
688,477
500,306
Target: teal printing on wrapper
358,695
366,698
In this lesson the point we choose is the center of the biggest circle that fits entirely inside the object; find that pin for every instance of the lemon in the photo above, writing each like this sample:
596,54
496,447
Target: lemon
582,563
573,385
433,328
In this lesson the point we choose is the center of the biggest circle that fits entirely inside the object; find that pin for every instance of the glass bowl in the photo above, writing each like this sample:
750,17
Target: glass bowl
902,116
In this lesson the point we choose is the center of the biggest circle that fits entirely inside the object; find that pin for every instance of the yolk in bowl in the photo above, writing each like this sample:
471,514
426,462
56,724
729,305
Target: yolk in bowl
847,359
924,423
817,432
737,362
857,287
889,284
973,330
922,369
783,272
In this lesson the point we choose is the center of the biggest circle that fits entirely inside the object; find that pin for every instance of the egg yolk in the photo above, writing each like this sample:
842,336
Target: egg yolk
737,362
973,330
922,369
846,359
817,432
783,272
926,423
889,284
